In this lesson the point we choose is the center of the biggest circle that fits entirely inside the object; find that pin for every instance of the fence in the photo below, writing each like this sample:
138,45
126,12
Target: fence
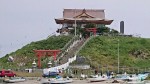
61,67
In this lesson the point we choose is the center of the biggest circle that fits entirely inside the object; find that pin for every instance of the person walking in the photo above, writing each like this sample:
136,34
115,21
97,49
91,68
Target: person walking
80,36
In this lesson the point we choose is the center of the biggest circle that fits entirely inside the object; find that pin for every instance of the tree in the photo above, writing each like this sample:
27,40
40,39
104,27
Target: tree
113,31
90,25
103,30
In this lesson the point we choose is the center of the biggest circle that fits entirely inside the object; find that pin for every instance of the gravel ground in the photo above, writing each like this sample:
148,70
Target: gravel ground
75,81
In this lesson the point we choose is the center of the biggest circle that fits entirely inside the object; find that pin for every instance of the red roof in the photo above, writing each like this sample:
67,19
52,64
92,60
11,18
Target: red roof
96,13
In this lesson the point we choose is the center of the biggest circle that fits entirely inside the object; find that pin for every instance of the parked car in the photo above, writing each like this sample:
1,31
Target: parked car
51,74
7,73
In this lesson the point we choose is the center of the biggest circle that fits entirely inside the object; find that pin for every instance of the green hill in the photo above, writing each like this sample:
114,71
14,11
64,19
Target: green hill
100,51
103,51
25,56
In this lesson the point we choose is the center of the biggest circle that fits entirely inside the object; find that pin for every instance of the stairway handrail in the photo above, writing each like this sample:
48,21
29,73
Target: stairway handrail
70,60
67,45
70,42
84,44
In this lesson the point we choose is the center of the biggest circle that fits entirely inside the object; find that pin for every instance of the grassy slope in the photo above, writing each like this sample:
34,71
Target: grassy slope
26,54
103,50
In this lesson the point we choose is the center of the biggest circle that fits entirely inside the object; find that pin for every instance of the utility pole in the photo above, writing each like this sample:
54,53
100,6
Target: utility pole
75,32
118,56
75,24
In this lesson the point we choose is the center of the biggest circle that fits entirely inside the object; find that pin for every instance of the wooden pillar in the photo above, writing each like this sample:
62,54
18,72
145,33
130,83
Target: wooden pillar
54,55
94,31
39,59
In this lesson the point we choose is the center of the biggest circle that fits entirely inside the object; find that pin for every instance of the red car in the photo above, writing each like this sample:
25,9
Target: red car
7,73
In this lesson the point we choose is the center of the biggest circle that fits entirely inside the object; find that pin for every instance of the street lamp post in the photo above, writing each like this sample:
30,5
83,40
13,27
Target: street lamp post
75,27
118,56
75,23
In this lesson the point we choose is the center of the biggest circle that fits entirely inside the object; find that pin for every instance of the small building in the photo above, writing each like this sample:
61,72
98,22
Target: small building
81,17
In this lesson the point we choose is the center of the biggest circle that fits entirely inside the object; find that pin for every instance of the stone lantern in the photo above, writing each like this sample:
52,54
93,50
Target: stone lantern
34,64
49,64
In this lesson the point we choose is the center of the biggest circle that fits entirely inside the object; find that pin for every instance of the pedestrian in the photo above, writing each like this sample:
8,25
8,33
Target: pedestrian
96,71
80,36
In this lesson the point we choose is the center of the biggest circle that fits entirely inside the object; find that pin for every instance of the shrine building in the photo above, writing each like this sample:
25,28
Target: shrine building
81,17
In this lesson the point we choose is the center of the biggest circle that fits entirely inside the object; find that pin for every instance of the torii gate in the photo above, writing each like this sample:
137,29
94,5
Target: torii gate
40,53
91,30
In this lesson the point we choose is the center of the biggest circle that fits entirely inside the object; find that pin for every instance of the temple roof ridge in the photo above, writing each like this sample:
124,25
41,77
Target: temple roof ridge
97,13
85,9
96,16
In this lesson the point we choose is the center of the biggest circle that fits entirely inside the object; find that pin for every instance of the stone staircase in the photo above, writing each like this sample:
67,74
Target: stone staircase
69,55
71,51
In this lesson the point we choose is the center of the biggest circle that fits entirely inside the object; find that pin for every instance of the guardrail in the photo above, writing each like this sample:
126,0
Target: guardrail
60,67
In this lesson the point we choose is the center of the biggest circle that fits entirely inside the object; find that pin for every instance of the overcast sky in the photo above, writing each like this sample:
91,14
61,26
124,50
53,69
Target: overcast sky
24,21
